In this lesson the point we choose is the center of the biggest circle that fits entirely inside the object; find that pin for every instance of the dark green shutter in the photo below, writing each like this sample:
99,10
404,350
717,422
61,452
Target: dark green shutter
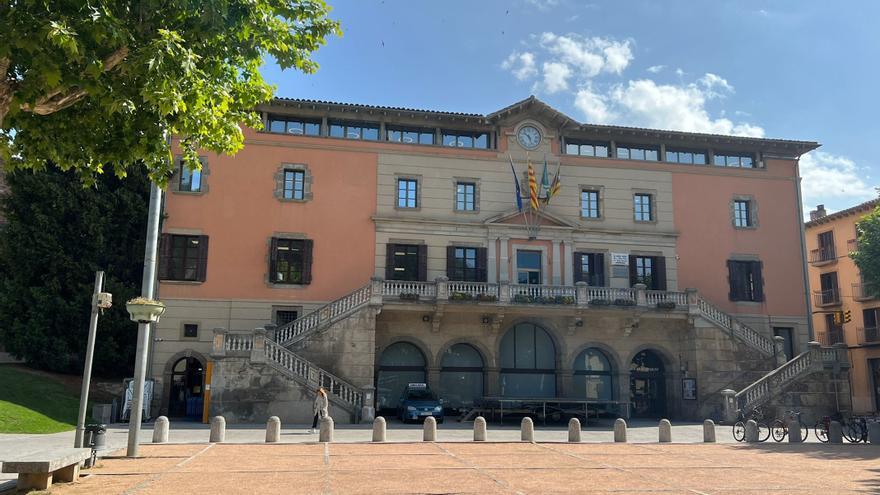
164,257
734,280
308,249
758,279
202,266
578,268
600,269
482,264
273,259
423,263
389,261
632,270
450,262
659,277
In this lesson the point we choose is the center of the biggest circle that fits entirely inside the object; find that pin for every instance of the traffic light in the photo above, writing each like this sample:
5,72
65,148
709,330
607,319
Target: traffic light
847,316
838,317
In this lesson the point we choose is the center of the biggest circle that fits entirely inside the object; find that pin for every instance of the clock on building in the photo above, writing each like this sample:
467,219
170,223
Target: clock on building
529,137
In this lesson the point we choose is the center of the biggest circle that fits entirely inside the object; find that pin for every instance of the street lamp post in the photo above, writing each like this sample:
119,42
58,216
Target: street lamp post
147,291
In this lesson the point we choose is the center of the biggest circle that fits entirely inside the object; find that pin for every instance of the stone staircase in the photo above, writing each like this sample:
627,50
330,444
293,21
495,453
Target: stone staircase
277,347
815,359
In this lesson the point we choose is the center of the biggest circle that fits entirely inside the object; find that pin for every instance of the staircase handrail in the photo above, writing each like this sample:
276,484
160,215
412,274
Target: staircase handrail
303,326
314,376
736,327
761,389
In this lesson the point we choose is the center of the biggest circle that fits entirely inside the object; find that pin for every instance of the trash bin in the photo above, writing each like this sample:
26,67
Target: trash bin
95,436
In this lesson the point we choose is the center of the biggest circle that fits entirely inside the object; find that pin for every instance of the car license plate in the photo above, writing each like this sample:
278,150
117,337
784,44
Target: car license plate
425,413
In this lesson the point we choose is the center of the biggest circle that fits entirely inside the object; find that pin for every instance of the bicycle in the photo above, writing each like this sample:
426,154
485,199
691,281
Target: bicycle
854,431
779,427
739,428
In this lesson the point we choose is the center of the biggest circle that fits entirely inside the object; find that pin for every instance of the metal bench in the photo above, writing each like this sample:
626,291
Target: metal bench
37,470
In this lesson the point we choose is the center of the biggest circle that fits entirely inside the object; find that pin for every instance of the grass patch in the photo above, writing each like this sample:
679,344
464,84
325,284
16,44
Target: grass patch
32,403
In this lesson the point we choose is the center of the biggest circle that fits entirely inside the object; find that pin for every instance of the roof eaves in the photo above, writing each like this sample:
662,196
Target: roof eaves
866,206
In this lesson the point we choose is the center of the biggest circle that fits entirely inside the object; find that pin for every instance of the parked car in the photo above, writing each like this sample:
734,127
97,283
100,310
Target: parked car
419,402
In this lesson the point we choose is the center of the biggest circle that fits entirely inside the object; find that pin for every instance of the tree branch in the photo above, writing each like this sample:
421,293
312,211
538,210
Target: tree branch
61,98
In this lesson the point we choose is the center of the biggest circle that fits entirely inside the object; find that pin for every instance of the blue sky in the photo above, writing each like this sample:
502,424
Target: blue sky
780,69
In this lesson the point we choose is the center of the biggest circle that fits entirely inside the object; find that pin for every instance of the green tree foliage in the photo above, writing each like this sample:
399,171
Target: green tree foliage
867,257
95,85
58,234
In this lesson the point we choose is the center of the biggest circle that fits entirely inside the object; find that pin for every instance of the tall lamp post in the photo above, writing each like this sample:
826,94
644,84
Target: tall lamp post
144,322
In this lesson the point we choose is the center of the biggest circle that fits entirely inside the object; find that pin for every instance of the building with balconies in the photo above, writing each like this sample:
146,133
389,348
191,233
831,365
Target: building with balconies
362,248
838,291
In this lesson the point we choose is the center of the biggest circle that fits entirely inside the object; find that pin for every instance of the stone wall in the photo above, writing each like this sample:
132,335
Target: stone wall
246,392
347,348
820,394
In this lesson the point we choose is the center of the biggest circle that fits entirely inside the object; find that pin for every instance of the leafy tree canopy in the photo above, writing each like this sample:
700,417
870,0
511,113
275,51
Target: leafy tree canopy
56,237
95,85
867,257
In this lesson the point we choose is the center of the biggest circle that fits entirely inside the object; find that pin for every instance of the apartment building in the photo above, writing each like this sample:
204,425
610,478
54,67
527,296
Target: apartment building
846,309
361,248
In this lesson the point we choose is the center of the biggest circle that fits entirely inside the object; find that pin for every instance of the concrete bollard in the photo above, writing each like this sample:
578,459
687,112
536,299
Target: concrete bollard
709,431
480,429
326,432
620,430
835,432
218,429
273,430
527,430
379,429
574,430
795,435
751,431
874,433
430,430
665,431
160,430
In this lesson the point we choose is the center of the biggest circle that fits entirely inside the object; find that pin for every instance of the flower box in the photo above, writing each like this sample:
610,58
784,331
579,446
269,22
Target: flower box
409,296
523,298
624,302
599,302
142,310
461,296
666,305
486,298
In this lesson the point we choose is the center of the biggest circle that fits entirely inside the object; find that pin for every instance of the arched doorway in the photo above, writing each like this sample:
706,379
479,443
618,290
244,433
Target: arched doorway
187,386
400,364
461,376
647,385
593,378
528,362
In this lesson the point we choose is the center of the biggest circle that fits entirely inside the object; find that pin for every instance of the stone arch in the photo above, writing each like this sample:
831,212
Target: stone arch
609,351
169,369
662,352
486,354
426,350
555,335
391,380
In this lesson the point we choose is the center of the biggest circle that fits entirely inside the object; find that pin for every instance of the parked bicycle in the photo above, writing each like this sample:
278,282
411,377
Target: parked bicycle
779,427
854,429
739,428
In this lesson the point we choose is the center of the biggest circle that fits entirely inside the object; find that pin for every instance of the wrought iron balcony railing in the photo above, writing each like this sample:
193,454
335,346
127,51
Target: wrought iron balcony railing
826,297
863,292
869,335
823,255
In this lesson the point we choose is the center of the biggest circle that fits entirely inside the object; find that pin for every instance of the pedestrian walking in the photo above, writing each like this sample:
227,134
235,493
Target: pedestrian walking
320,408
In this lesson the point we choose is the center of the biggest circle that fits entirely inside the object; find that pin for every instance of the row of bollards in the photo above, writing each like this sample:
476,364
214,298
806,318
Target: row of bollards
527,430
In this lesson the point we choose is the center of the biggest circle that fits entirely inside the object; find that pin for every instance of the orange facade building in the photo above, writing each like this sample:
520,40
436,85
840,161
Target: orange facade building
361,248
846,310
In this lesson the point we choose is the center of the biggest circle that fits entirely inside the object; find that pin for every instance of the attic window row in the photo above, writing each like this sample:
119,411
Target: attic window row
373,132
654,153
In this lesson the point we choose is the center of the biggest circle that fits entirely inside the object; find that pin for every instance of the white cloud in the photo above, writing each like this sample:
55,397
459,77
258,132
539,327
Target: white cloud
593,105
713,83
588,56
521,65
827,178
654,69
679,72
678,107
556,76
543,4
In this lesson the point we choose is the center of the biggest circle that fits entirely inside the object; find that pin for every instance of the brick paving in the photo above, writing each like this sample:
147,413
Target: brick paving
485,468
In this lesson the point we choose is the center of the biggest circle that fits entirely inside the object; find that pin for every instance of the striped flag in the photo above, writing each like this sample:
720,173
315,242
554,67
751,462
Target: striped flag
533,188
556,184
516,183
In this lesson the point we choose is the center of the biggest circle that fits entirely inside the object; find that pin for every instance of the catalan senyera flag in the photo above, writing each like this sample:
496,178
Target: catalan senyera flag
556,184
533,188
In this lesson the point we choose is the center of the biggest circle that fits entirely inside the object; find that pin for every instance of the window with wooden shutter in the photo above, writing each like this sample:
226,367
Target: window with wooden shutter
746,280
183,257
404,262
590,268
466,264
290,261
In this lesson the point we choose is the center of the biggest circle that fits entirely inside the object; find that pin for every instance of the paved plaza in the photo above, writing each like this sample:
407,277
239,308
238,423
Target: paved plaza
484,468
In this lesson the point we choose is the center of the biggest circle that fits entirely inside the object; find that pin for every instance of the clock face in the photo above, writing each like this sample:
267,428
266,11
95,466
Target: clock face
529,137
